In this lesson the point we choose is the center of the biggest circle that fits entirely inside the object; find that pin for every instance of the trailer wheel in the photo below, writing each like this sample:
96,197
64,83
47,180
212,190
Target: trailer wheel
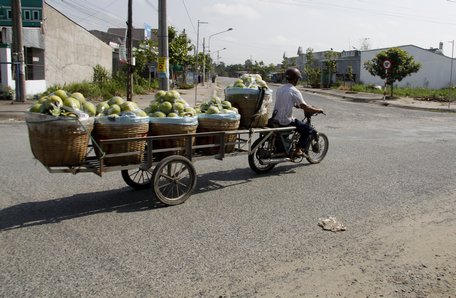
174,179
138,178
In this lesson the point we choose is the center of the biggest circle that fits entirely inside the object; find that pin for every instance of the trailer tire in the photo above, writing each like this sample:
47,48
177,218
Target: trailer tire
138,179
174,179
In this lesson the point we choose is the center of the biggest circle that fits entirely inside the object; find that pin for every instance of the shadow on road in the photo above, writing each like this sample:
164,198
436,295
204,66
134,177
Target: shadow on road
78,205
222,179
118,200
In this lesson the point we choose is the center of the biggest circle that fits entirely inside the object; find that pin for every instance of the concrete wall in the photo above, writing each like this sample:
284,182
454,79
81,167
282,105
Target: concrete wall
71,51
434,72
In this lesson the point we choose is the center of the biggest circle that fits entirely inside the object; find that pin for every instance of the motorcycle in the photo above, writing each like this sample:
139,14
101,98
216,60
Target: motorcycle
279,145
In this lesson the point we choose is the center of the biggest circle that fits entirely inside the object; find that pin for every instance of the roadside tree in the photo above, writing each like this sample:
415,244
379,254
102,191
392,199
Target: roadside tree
349,76
402,65
248,65
330,65
262,69
179,48
145,54
234,70
220,69
287,62
312,73
204,62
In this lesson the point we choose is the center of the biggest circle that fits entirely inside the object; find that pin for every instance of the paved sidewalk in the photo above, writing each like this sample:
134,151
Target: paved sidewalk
14,111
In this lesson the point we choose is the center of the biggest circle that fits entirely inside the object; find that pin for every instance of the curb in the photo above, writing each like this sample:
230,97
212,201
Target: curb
344,96
381,101
12,116
410,107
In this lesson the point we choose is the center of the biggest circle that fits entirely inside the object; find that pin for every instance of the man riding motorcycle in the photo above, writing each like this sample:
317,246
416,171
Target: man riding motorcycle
287,97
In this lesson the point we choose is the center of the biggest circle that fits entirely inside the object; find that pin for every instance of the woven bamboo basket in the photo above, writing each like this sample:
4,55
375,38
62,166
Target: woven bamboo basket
108,131
208,125
160,129
58,141
246,100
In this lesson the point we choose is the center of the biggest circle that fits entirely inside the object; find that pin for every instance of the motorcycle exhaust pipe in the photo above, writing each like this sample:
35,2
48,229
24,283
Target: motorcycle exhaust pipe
275,160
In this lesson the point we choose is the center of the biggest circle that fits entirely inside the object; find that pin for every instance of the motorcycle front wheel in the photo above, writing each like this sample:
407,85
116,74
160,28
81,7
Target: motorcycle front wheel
317,148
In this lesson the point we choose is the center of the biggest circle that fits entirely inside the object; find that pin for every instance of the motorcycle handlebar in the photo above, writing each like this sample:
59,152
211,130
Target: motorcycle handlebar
308,115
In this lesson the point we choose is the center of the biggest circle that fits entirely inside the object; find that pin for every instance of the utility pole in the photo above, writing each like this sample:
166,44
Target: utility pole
451,70
129,51
196,58
163,51
18,50
204,62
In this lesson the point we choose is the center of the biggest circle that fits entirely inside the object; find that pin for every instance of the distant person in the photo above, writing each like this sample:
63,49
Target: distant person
287,97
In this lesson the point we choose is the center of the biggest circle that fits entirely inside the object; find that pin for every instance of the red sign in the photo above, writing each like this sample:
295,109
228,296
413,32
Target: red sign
387,64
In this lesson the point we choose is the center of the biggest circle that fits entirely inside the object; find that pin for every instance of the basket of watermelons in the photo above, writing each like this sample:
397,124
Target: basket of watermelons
252,97
120,119
217,115
59,127
170,114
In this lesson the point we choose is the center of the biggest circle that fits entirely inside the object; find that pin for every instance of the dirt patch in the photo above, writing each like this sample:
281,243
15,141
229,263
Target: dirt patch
413,257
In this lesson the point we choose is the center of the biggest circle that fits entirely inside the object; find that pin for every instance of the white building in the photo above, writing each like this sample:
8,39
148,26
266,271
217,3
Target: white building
434,72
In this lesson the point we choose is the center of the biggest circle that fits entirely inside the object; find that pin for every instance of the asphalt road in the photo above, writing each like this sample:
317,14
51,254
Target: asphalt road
86,236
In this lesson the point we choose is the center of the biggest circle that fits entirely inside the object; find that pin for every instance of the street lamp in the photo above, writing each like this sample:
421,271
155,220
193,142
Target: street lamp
210,36
196,58
218,56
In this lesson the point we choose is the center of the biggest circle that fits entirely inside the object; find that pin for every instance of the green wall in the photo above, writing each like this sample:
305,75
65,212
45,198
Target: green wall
32,13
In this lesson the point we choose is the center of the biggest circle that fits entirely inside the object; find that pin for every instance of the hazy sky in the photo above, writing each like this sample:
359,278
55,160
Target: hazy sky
264,29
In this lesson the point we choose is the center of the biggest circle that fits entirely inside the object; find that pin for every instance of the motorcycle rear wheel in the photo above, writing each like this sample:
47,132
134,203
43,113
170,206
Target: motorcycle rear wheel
255,156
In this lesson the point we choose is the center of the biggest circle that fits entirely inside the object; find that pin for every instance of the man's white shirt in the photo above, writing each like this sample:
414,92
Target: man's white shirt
287,97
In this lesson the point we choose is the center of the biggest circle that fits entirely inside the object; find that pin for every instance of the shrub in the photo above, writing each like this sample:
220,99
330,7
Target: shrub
6,92
336,85
100,74
358,88
185,86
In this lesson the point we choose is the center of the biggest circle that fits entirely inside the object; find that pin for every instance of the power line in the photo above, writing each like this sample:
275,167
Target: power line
79,12
88,14
373,11
152,5
99,11
91,10
148,2
190,19
93,13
